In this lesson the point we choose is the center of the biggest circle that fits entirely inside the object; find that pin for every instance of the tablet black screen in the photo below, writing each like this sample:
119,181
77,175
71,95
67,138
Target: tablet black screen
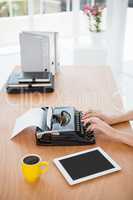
86,164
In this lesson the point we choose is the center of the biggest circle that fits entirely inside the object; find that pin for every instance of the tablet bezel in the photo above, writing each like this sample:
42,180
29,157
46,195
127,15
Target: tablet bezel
73,182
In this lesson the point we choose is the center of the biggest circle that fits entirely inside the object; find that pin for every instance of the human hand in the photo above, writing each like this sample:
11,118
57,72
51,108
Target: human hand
109,119
97,125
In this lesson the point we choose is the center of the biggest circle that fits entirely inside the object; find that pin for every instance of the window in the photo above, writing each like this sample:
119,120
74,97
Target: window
53,6
130,3
100,2
19,8
9,8
4,9
36,6
92,2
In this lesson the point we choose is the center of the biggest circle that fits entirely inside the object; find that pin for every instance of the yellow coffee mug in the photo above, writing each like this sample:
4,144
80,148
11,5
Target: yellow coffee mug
33,167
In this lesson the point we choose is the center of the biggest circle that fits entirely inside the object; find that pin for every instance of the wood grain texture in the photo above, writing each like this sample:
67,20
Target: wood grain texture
82,87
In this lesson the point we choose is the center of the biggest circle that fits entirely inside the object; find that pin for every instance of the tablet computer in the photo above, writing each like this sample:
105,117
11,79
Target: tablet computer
85,165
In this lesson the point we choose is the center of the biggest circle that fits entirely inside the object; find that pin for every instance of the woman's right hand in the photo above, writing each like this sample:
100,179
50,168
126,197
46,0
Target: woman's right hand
109,119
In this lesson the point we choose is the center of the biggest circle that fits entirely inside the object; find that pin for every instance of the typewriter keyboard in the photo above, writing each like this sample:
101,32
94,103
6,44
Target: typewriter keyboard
81,129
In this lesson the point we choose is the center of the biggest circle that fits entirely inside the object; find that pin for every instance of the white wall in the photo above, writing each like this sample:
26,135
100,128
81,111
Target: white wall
128,49
10,27
116,21
61,22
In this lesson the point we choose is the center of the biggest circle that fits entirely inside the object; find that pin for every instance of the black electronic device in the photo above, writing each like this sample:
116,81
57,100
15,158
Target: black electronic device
86,165
63,126
19,82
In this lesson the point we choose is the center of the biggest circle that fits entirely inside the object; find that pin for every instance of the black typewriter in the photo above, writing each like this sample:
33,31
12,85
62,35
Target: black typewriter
63,126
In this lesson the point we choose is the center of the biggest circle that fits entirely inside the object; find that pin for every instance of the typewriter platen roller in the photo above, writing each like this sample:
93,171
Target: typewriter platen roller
63,126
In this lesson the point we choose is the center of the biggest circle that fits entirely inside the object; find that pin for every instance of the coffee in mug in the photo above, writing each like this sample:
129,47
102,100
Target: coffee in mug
32,167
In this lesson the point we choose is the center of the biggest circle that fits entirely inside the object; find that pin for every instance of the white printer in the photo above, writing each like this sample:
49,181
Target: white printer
39,63
39,51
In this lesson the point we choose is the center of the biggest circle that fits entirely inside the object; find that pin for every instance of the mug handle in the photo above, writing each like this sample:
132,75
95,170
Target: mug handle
43,163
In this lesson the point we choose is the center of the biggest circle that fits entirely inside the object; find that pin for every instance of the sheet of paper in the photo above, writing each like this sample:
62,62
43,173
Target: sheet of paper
34,117
49,117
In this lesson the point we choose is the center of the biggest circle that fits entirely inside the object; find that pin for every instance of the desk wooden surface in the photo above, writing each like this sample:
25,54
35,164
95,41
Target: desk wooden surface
82,87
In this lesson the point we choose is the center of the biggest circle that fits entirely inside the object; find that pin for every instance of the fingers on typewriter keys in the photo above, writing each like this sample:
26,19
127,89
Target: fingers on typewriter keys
86,126
89,131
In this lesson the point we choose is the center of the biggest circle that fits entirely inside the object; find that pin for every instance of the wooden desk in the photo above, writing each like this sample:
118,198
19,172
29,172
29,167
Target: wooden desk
82,87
